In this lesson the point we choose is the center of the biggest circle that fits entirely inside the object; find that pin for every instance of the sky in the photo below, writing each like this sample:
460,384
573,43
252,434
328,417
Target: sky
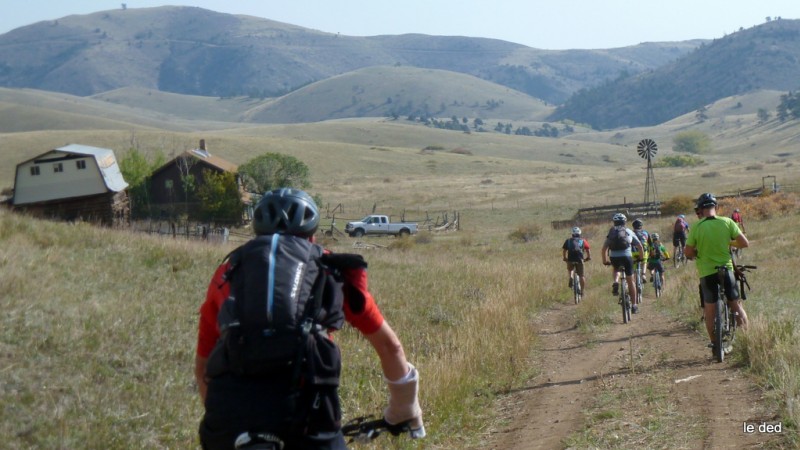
550,25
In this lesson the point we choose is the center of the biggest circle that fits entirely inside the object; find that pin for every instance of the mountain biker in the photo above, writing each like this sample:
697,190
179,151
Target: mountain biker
644,238
575,251
622,258
679,230
241,405
737,217
709,243
657,253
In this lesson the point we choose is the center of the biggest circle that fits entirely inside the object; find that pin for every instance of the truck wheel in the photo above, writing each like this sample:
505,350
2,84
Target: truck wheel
358,233
404,232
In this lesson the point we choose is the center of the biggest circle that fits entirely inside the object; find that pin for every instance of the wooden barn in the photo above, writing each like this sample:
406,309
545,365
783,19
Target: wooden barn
74,182
167,195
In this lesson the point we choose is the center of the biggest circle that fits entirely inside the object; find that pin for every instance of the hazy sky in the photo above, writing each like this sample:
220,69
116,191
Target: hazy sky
535,23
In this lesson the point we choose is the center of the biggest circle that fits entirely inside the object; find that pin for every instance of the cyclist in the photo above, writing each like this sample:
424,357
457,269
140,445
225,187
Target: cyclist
644,238
709,243
619,254
737,217
657,253
575,251
680,229
240,405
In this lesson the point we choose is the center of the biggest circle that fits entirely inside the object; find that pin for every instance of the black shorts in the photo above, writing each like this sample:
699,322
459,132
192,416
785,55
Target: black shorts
708,288
625,262
237,404
679,238
658,266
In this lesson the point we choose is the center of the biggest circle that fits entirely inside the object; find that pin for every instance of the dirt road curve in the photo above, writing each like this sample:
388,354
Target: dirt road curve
583,396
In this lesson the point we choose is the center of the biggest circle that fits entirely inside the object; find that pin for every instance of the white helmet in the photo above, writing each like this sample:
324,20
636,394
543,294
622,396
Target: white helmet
619,218
576,231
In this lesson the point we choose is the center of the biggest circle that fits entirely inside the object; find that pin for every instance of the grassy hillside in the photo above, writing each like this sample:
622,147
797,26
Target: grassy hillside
98,333
399,91
759,58
200,52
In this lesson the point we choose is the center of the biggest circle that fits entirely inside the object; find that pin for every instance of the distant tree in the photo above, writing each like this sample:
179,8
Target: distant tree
136,170
763,115
477,123
219,196
499,127
692,141
274,170
508,128
700,114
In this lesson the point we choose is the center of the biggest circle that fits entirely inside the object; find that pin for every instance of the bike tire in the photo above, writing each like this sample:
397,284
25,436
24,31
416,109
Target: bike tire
576,288
657,284
626,302
719,317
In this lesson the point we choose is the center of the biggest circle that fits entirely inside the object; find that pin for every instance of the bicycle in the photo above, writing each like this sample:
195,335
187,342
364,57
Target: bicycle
679,257
363,430
624,296
657,283
724,317
637,273
576,287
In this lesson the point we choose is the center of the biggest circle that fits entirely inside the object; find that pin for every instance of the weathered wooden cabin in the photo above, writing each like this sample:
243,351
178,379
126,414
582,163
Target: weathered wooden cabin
74,182
167,195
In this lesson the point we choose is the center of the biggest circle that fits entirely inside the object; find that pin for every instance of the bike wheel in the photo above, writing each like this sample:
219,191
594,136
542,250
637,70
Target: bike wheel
576,288
657,284
719,331
625,301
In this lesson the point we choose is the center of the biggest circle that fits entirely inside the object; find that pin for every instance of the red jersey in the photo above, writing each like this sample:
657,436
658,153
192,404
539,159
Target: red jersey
367,318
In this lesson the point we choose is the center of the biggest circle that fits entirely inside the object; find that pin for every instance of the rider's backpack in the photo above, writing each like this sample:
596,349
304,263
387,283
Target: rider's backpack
655,251
575,249
642,236
618,238
680,226
268,323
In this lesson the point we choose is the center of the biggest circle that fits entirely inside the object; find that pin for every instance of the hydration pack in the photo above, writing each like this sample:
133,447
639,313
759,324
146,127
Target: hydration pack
575,249
680,226
618,238
269,322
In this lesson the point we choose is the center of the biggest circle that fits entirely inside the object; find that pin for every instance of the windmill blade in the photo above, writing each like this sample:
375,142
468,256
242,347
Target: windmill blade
647,148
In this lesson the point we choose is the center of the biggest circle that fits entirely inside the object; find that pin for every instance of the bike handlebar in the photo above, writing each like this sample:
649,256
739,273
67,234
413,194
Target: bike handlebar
364,429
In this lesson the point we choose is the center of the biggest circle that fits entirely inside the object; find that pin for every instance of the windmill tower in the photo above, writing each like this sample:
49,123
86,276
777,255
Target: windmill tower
647,149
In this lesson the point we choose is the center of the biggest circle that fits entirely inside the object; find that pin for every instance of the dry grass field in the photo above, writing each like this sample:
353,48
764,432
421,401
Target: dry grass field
97,339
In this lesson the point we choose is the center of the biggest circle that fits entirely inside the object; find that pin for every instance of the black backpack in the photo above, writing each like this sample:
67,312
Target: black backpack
618,238
575,249
267,324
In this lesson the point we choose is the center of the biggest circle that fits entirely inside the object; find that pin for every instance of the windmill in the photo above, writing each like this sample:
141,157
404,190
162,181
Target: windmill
647,149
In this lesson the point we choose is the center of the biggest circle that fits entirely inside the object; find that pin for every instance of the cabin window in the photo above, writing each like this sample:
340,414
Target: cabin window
168,184
34,170
58,167
80,164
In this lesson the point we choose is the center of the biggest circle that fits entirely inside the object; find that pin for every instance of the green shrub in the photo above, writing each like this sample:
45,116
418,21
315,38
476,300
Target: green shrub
679,161
680,204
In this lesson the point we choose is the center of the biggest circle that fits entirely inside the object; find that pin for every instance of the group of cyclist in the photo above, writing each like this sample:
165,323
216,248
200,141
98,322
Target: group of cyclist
709,243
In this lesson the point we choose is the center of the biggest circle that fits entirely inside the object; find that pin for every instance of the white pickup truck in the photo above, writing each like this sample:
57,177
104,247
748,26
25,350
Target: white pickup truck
377,224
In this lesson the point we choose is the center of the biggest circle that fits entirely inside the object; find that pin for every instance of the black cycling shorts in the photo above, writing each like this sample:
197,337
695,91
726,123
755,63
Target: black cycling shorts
708,288
625,262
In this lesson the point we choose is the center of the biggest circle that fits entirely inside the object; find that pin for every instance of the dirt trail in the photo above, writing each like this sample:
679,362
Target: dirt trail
711,400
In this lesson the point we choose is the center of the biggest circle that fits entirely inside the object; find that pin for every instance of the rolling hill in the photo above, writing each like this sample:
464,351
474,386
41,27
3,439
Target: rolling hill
764,57
199,52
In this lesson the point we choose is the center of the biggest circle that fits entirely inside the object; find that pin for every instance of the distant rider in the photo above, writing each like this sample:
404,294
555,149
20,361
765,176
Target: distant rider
680,229
616,256
575,252
657,253
644,238
737,217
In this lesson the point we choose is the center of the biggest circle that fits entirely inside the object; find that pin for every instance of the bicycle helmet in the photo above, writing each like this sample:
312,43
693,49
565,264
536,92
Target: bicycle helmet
619,219
286,211
654,236
681,216
736,210
706,200
637,224
576,231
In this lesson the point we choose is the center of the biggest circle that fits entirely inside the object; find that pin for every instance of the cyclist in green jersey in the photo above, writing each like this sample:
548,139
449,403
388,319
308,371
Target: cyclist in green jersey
709,243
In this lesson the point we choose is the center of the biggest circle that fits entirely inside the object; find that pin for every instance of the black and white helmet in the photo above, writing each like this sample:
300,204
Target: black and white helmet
576,231
637,224
706,201
619,219
655,236
286,211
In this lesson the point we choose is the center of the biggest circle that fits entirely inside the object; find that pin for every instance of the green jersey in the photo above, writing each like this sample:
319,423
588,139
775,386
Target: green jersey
711,237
